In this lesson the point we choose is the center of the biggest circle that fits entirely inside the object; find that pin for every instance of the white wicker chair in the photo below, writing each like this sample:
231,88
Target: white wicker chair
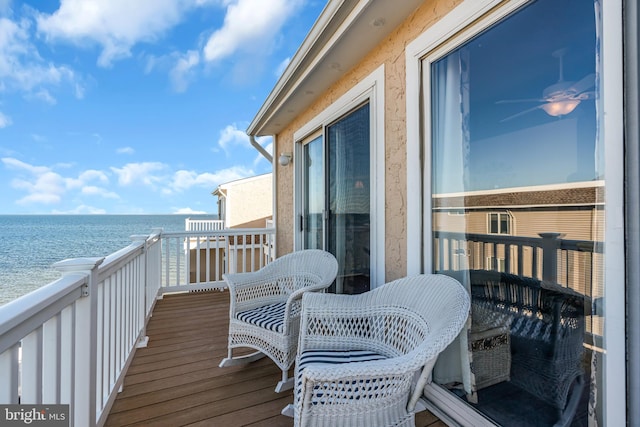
264,312
364,360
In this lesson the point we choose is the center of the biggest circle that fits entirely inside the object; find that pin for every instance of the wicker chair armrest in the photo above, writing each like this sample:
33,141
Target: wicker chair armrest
253,289
298,293
244,280
294,300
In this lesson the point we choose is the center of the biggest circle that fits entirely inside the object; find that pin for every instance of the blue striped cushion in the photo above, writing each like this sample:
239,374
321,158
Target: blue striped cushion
332,357
270,316
335,357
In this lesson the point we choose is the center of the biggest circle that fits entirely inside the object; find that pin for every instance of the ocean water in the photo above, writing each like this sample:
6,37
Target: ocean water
30,244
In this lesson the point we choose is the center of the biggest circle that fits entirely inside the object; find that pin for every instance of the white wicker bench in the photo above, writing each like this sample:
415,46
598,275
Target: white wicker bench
264,311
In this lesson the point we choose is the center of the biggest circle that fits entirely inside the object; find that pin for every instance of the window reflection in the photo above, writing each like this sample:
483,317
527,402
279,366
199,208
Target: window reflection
518,213
349,231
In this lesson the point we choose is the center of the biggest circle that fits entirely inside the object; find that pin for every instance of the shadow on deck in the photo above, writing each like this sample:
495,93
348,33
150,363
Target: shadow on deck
176,380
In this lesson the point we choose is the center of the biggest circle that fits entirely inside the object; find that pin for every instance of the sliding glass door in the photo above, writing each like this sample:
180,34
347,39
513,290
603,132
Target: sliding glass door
517,185
336,197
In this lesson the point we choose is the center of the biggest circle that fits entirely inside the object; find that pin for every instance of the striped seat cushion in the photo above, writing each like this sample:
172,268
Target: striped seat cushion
270,316
333,357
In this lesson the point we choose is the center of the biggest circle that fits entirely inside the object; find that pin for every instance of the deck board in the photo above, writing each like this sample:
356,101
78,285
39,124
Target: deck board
176,381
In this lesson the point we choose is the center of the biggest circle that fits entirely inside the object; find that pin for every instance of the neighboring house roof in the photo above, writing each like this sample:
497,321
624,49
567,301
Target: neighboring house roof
343,34
575,194
221,191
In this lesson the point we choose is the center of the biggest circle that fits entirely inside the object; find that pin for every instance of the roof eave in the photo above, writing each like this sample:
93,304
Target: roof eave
326,54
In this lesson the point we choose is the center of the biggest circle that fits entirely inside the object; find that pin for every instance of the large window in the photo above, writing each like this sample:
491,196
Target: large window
512,131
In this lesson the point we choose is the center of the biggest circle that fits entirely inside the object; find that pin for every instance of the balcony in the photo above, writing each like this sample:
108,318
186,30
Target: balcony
136,337
175,380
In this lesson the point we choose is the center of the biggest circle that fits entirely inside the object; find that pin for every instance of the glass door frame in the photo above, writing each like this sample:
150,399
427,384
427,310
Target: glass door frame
461,24
369,89
301,218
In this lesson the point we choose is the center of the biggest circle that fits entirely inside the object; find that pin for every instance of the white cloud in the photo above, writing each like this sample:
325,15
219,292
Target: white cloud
183,71
268,147
231,174
188,211
85,177
82,210
151,61
4,120
79,91
184,180
5,6
125,150
39,198
21,66
115,25
91,190
282,66
45,96
249,26
43,185
46,185
143,173
182,68
93,175
46,188
18,164
231,136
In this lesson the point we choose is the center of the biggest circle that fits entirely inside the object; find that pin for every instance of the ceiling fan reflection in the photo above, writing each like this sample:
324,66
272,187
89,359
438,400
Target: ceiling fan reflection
560,98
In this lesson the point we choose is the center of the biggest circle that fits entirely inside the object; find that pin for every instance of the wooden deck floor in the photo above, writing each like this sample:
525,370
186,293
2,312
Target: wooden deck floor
176,380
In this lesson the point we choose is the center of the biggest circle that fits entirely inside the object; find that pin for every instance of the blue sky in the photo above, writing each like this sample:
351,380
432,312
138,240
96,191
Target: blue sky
121,106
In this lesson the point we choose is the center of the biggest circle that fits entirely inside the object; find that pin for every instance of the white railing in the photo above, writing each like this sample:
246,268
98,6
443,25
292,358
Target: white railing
270,246
196,261
71,341
203,224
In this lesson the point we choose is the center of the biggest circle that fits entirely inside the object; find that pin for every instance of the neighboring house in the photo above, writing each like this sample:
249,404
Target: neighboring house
247,202
462,135
517,218
242,204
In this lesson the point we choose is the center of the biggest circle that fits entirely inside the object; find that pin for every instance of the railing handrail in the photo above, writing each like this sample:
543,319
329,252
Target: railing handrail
582,246
565,244
215,233
116,260
203,224
24,314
